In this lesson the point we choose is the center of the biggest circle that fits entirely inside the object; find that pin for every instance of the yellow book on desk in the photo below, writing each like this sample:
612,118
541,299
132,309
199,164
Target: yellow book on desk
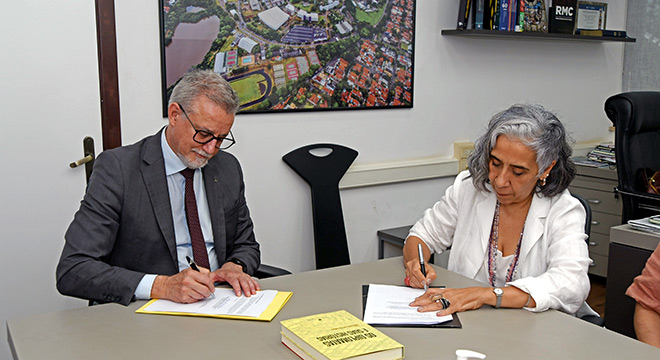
262,306
338,335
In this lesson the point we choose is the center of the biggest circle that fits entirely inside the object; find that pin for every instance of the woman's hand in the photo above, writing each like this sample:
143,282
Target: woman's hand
459,299
414,275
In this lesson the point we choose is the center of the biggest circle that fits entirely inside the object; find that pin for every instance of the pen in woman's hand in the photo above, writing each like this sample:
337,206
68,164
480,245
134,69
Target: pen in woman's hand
421,265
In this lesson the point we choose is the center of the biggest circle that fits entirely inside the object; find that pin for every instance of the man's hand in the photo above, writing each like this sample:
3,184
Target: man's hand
241,282
188,286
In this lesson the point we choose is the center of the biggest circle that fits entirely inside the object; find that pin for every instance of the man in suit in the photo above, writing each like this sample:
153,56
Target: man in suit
132,234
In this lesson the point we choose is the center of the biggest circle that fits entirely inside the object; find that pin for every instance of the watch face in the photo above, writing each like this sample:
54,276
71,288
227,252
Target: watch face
498,291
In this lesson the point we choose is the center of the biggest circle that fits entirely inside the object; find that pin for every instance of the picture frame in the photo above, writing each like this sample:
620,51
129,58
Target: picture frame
591,15
294,55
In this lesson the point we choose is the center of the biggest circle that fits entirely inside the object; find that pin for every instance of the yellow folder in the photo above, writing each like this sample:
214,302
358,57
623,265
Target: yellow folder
267,315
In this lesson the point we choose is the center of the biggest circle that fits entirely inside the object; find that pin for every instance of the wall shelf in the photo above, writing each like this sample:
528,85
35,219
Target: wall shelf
532,35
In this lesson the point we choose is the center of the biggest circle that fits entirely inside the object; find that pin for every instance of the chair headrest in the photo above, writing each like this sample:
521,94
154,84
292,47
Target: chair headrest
635,112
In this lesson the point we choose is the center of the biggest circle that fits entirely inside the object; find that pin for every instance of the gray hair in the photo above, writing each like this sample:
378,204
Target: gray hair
538,129
208,83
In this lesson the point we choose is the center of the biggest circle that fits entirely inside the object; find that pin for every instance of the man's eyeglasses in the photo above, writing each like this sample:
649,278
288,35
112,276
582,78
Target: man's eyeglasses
205,137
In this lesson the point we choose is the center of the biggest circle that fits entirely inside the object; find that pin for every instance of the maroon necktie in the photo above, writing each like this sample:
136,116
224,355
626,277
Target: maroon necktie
196,237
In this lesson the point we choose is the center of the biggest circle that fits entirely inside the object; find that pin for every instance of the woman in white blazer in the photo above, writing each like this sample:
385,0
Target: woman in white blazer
510,221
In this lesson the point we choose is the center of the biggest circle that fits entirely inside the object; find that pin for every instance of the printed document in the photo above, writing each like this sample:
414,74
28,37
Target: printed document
390,304
225,303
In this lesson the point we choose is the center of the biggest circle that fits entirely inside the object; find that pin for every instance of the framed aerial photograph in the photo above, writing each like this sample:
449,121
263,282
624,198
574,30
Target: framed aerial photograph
294,55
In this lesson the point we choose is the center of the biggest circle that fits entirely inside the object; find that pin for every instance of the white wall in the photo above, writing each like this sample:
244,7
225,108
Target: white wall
459,84
49,82
49,92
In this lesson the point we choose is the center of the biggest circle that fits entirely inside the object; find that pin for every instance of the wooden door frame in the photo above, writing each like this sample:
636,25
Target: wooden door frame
108,73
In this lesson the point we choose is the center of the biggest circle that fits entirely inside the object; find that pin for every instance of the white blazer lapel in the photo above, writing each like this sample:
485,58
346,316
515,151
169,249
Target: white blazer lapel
478,237
534,225
485,212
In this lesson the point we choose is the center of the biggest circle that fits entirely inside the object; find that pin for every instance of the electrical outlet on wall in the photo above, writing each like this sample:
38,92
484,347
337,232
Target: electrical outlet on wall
462,150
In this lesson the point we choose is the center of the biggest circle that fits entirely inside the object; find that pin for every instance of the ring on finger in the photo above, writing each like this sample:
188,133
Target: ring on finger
445,303
441,300
436,297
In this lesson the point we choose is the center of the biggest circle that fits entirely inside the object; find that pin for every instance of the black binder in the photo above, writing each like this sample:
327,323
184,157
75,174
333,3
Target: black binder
455,323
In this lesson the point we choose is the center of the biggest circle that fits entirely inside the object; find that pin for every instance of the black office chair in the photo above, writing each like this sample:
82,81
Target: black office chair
587,209
594,319
266,271
322,172
636,118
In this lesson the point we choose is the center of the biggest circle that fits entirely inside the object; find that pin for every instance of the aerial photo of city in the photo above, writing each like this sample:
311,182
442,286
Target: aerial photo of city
296,54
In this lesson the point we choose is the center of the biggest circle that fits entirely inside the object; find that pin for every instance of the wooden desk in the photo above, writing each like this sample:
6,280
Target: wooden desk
116,332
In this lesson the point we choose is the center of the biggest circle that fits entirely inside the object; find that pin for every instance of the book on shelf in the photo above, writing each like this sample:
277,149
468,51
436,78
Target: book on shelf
508,12
491,20
513,14
463,14
562,16
337,335
521,16
604,33
502,12
478,14
533,16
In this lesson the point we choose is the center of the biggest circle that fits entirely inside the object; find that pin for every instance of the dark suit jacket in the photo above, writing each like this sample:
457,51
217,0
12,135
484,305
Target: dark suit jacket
124,229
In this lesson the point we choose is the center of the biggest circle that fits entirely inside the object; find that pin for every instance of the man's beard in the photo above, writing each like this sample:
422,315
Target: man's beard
198,162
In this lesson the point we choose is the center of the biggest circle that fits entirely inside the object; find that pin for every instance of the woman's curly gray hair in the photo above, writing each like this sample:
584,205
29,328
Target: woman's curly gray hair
538,129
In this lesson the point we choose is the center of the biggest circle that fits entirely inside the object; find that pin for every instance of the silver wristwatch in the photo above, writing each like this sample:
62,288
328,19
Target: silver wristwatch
498,292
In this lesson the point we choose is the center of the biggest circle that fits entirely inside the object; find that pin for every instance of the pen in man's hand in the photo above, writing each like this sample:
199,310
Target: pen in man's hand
193,266
421,264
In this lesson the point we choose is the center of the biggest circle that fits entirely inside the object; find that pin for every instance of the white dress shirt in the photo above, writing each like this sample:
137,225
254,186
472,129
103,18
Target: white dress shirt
176,188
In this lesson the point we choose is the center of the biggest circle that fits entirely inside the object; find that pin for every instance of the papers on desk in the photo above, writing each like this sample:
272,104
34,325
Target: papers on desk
584,161
389,305
264,305
645,224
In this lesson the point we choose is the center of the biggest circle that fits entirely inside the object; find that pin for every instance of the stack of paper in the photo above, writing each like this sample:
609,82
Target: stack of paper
390,305
645,224
584,161
603,153
225,304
